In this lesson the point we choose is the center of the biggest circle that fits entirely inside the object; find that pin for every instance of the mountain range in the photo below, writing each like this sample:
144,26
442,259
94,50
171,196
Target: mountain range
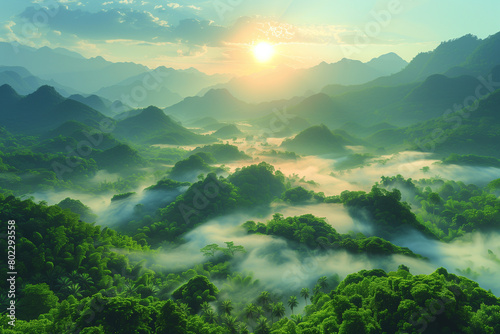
285,82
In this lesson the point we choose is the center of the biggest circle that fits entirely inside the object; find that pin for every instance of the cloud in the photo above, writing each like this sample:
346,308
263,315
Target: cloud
174,5
114,24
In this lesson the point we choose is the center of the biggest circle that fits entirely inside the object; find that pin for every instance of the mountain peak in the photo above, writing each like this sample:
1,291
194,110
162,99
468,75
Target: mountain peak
45,95
219,93
7,90
8,95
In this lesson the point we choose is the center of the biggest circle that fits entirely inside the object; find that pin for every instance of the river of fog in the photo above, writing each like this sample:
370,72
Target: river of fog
281,268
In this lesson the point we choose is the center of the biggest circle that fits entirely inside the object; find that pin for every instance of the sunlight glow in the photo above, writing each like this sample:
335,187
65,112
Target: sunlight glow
263,52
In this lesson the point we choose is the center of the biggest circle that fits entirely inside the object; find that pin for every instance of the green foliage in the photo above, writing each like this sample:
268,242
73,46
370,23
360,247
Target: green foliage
376,302
297,195
471,160
390,216
37,299
230,250
123,196
316,233
222,152
195,292
453,209
258,184
79,208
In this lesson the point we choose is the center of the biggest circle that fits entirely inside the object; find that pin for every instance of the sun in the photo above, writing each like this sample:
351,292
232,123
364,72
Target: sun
263,52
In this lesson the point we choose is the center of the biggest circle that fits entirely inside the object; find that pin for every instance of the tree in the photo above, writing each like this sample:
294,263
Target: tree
232,249
323,283
304,293
278,310
292,302
262,326
264,299
36,299
195,292
226,307
171,319
250,311
210,250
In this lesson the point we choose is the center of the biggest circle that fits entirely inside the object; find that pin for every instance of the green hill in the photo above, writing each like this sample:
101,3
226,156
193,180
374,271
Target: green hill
152,126
42,111
316,140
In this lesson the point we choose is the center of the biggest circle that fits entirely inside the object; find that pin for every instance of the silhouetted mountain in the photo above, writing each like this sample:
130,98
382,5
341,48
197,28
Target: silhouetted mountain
181,83
316,140
25,83
8,98
43,110
227,131
160,96
71,133
152,126
285,82
120,157
485,56
103,105
462,132
401,105
389,63
217,103
319,108
68,68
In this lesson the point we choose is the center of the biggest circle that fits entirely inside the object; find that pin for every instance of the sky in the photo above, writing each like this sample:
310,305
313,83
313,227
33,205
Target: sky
219,36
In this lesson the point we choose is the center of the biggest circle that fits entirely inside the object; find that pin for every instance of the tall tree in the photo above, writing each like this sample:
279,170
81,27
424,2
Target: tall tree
292,302
304,293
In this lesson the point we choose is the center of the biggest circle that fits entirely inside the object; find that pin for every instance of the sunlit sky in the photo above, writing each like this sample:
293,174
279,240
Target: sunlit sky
219,35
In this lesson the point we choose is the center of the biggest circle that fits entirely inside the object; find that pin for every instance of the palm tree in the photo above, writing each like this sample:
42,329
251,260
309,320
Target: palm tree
63,283
250,311
264,299
226,307
316,289
304,293
74,289
292,302
231,324
297,318
278,310
259,311
322,282
185,308
262,326
205,307
86,280
210,316
74,275
129,289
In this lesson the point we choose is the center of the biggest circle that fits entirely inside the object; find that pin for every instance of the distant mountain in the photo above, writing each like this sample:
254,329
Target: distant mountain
152,126
68,68
227,131
183,83
42,111
26,83
462,132
70,134
101,104
485,57
400,105
317,140
285,82
118,158
216,103
161,97
205,124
